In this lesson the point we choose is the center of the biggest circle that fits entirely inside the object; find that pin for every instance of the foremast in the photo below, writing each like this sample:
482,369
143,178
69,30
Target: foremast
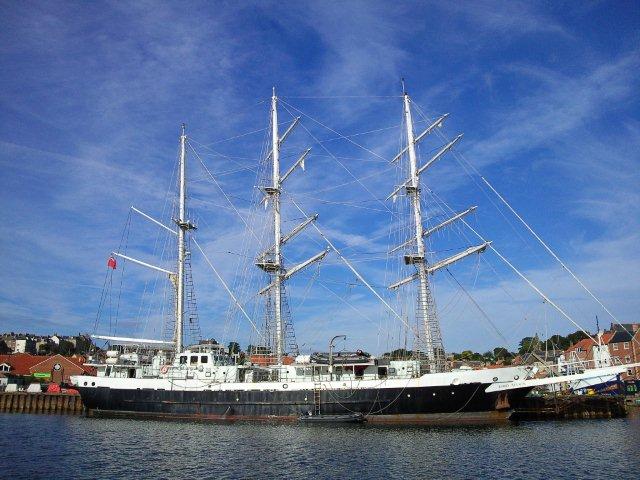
277,228
425,313
271,259
428,344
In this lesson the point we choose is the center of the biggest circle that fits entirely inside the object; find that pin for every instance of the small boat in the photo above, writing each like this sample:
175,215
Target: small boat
347,418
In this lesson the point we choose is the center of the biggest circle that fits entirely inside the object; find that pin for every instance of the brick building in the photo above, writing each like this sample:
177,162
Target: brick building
53,368
623,343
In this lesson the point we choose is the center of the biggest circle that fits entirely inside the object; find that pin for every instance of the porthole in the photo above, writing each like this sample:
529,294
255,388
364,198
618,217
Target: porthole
93,384
495,379
85,384
517,377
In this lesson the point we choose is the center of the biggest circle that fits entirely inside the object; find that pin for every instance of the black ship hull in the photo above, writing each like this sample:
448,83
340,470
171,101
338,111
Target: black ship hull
440,404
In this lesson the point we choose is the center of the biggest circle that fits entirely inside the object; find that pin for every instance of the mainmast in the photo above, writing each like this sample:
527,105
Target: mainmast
271,260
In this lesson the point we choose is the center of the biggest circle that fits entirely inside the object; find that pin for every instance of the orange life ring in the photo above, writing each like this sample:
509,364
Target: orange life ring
164,369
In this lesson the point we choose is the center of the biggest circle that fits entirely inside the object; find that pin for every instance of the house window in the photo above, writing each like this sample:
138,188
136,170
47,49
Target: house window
5,367
627,359
615,346
626,345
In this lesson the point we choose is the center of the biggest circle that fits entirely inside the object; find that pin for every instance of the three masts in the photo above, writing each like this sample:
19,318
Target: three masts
204,380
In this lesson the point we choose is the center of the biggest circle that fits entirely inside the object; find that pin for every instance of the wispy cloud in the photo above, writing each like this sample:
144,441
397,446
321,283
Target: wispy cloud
92,99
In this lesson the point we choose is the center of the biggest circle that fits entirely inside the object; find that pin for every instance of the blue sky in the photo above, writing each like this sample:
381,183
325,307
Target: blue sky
92,96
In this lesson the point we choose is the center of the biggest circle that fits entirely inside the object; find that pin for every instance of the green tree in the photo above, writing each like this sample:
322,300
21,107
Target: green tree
501,353
234,347
466,355
65,348
576,337
528,344
558,341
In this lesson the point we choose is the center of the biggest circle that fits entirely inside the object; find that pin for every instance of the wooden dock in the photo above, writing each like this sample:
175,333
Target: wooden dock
48,403
565,407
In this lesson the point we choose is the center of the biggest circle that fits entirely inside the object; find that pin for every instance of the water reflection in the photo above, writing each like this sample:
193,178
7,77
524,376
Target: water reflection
46,446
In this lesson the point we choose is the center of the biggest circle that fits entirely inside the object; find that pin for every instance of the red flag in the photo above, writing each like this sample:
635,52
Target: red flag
111,263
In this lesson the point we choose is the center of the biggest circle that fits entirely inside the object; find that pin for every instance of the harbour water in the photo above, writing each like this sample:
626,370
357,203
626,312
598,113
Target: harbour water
51,446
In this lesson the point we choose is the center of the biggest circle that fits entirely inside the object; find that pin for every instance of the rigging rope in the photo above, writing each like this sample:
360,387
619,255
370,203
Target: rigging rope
223,192
224,284
332,155
484,314
356,273
551,252
460,158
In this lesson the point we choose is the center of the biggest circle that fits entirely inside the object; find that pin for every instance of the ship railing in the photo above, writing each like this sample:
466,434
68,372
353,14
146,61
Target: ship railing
577,365
326,377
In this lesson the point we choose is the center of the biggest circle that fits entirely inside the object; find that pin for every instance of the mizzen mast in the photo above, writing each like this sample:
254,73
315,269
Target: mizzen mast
183,226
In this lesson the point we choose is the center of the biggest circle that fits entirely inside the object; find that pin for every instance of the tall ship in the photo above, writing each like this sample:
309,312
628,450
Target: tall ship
175,378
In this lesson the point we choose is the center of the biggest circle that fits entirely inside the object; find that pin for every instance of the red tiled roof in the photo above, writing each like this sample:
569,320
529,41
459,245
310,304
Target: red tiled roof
22,363
586,343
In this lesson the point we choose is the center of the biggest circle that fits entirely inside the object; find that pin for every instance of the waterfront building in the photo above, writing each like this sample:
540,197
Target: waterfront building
23,368
623,343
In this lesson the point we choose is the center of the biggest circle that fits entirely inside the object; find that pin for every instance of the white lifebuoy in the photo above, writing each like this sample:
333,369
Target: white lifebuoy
164,369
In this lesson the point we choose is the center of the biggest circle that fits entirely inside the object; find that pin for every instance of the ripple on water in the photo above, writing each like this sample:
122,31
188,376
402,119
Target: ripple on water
47,446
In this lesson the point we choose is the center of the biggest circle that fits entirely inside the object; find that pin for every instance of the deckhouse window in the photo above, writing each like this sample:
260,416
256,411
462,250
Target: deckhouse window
193,360
183,359
204,359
